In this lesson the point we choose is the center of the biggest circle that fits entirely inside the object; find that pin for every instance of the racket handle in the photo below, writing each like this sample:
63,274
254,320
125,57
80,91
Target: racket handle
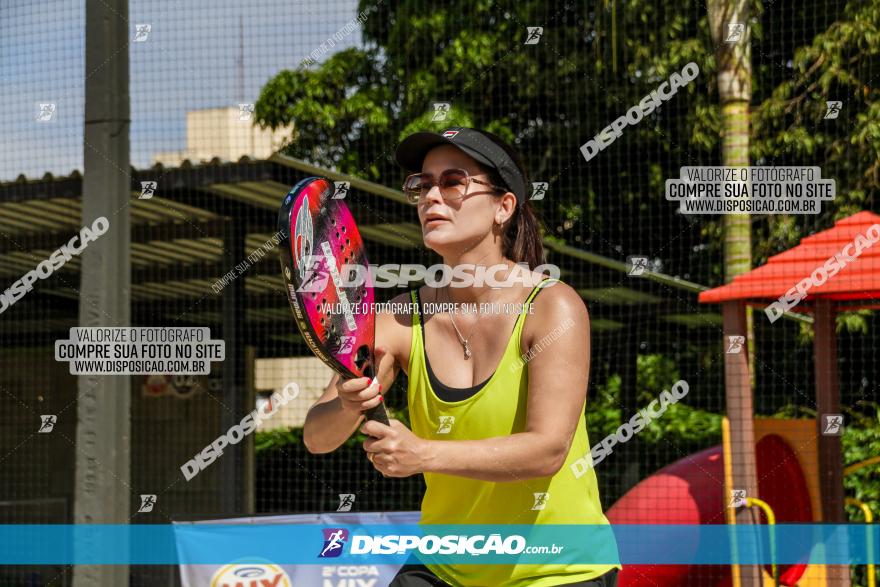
378,414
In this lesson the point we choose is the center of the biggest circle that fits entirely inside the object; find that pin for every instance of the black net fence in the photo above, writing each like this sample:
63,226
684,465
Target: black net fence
232,104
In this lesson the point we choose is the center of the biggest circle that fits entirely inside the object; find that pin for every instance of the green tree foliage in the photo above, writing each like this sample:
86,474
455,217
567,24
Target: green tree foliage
594,62
861,441
839,64
682,427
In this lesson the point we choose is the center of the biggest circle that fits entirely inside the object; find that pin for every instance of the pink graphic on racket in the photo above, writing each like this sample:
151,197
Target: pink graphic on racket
318,238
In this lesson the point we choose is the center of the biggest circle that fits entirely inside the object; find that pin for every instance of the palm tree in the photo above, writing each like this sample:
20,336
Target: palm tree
728,20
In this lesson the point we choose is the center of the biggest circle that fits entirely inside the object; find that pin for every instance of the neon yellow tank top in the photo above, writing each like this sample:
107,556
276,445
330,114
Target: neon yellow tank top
499,409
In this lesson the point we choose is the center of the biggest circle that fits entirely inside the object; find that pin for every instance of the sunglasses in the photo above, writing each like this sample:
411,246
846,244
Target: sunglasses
453,184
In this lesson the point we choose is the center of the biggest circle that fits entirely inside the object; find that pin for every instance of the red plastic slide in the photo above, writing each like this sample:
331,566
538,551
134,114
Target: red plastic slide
691,491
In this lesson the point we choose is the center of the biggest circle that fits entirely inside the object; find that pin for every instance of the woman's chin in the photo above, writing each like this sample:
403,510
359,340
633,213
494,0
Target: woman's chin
437,237
439,243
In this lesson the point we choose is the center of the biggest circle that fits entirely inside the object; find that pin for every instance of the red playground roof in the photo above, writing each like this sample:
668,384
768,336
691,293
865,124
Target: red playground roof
854,240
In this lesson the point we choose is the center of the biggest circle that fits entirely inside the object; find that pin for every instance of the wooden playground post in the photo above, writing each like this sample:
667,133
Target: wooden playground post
828,402
740,413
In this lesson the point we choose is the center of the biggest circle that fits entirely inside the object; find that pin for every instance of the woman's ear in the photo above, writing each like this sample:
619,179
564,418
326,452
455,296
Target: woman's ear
506,209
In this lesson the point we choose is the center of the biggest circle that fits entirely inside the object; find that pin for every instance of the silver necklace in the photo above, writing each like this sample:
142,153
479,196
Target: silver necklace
461,339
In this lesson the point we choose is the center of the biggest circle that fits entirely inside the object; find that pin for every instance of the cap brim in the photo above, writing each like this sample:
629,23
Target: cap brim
411,152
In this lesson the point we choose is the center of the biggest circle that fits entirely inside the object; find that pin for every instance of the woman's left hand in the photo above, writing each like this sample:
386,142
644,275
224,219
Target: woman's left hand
394,450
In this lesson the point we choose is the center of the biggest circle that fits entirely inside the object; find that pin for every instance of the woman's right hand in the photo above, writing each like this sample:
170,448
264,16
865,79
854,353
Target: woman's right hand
357,395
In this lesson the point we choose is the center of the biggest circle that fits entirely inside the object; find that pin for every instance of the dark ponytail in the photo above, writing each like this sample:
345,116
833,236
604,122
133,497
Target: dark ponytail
522,241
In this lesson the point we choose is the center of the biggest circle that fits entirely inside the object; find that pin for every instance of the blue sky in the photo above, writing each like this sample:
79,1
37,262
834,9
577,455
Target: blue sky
189,61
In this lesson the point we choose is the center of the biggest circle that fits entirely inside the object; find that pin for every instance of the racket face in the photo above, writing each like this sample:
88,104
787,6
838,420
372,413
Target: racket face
325,270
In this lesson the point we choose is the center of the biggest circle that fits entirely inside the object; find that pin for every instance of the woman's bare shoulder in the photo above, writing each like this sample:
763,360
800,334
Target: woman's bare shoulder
557,293
557,305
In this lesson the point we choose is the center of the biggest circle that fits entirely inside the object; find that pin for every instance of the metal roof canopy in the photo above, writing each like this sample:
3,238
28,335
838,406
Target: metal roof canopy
857,283
178,247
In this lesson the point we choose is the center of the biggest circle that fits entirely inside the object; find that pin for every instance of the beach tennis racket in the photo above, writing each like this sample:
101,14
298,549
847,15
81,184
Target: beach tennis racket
319,242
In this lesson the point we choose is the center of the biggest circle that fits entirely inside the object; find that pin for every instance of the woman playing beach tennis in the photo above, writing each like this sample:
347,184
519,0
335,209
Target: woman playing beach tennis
494,435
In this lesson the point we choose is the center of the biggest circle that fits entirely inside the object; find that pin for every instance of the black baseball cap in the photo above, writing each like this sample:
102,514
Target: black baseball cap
412,150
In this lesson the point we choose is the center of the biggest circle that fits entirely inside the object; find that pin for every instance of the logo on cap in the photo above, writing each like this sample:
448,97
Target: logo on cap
450,133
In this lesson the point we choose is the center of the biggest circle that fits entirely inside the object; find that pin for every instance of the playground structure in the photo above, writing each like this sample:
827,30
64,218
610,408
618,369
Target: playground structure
793,468
694,490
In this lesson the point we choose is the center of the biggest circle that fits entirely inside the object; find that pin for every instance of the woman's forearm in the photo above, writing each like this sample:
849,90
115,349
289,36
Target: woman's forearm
526,455
328,425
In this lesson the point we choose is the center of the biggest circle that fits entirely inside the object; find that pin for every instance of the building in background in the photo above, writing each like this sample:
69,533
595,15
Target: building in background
271,375
227,133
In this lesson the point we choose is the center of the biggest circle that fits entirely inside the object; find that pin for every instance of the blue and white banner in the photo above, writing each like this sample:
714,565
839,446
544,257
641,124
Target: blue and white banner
256,571
391,539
